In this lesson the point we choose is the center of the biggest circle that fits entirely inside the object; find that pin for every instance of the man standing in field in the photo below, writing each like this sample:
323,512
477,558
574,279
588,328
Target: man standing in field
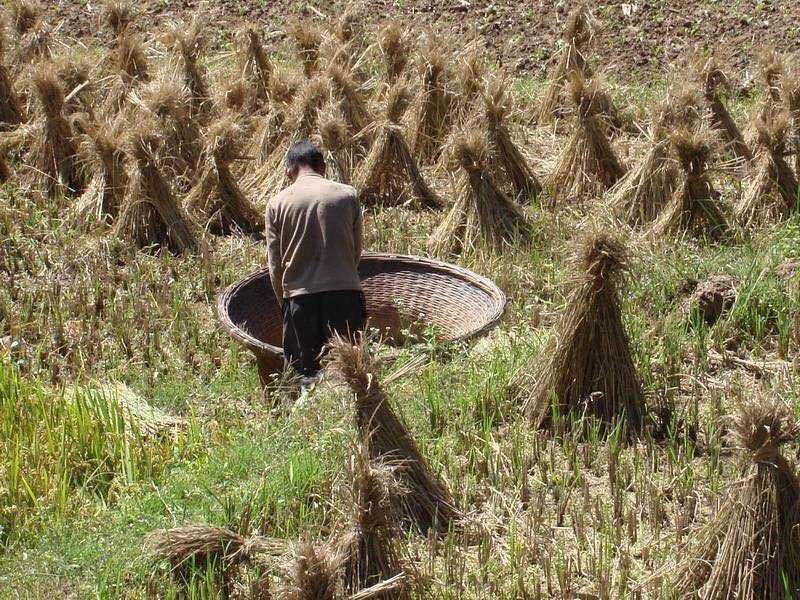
314,239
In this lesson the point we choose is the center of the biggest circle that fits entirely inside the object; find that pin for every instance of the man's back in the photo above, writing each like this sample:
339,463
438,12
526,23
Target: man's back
314,237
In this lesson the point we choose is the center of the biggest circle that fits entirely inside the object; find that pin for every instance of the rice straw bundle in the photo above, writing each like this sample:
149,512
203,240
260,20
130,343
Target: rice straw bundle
770,69
389,175
300,123
270,128
169,102
307,38
216,199
395,49
189,43
312,574
790,93
576,37
52,163
200,545
257,69
431,119
427,504
335,145
11,111
368,550
693,207
713,81
751,547
103,150
470,76
645,190
119,15
353,104
508,163
150,213
587,165
130,71
771,172
586,366
482,215
77,75
25,15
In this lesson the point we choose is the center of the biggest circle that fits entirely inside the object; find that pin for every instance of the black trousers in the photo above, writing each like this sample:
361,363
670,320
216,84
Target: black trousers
310,320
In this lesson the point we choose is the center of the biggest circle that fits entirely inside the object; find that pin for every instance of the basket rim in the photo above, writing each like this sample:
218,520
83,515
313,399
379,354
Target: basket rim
260,347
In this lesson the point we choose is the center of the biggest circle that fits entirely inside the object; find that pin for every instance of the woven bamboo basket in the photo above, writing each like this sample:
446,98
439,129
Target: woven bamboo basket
405,295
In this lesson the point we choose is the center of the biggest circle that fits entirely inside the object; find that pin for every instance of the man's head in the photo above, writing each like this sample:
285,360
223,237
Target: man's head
304,157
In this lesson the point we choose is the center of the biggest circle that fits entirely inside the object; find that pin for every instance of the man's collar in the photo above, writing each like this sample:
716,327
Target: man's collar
308,174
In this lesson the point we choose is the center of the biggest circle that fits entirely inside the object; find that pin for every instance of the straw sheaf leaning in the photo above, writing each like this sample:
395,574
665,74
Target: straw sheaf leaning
585,368
188,44
511,165
751,546
427,504
369,547
431,115
216,199
390,175
771,176
713,80
694,207
103,149
587,165
151,215
482,215
644,191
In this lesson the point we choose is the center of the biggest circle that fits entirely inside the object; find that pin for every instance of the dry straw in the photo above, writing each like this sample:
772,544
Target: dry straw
694,207
771,69
198,546
645,190
151,216
390,175
790,94
587,165
307,39
131,70
395,49
103,151
312,574
432,113
586,366
509,165
469,79
336,144
369,548
427,504
257,69
771,173
300,123
482,215
25,15
216,200
751,547
119,15
713,82
571,59
353,104
169,102
53,163
11,111
35,41
189,43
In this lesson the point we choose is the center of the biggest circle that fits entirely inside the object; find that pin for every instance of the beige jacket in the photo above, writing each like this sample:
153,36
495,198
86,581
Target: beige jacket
314,231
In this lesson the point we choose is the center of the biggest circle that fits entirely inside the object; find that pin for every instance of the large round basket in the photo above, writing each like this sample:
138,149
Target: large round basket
405,295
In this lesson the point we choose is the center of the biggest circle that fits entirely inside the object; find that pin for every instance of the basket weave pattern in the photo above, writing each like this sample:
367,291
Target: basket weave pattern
402,292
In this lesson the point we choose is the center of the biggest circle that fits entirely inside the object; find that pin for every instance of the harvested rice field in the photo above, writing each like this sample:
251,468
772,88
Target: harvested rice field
585,388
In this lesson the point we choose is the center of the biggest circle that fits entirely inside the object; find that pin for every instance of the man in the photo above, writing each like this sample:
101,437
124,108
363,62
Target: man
314,239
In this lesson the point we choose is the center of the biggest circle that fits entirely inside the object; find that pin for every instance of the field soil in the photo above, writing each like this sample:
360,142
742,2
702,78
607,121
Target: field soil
634,41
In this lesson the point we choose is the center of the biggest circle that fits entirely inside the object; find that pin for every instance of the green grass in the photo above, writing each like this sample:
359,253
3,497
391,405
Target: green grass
550,515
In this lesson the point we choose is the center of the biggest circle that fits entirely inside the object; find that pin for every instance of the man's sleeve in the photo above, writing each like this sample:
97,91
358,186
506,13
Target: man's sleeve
358,231
274,255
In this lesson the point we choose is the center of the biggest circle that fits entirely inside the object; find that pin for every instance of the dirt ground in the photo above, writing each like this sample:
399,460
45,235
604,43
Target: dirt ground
635,40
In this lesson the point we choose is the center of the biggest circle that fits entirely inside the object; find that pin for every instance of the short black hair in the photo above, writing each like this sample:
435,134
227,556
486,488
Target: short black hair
304,153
